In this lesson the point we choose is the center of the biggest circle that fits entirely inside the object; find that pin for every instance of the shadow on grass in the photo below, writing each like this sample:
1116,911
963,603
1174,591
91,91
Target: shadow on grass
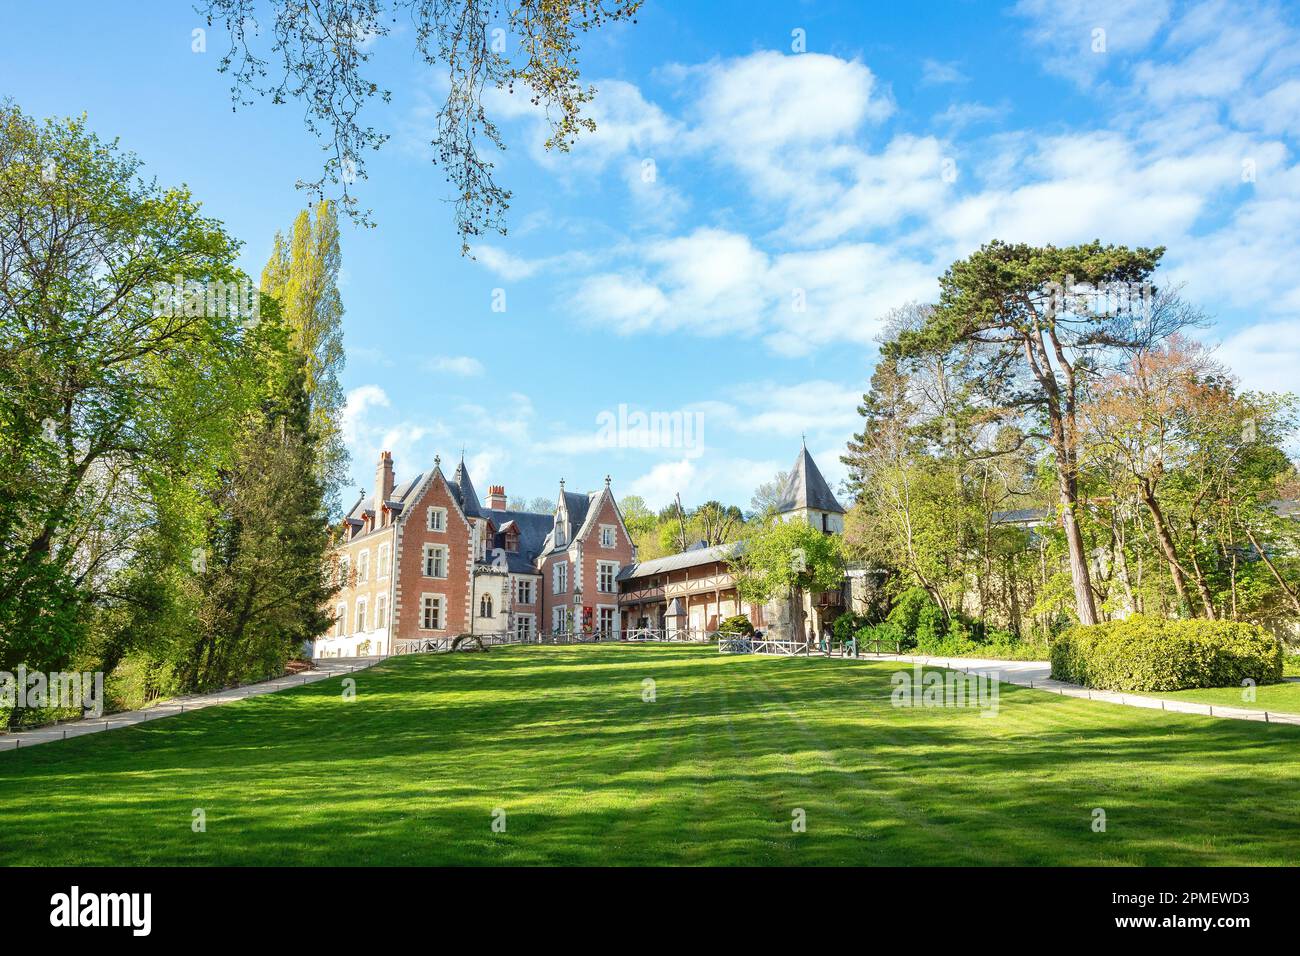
711,771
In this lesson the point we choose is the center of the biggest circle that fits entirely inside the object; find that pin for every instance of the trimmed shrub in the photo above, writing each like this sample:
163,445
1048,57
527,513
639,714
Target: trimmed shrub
736,624
1151,654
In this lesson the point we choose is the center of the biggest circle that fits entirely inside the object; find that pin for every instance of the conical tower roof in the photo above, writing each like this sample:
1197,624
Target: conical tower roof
806,488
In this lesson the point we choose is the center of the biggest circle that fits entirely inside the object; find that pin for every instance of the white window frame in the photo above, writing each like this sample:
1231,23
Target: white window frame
341,619
381,611
361,608
523,586
491,606
612,531
613,569
613,619
384,561
434,512
560,577
430,550
345,566
525,626
559,619
441,619
363,566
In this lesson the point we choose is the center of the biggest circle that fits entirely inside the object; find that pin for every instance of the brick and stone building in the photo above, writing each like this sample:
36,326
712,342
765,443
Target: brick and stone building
428,559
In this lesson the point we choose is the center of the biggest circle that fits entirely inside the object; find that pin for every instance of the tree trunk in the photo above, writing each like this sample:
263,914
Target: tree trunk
1286,589
797,626
1167,547
1078,560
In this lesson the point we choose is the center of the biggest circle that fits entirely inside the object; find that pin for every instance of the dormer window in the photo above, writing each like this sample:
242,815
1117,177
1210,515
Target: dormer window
512,541
560,538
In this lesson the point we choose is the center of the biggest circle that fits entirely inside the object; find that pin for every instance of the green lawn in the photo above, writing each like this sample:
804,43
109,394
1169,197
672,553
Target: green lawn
587,773
1280,698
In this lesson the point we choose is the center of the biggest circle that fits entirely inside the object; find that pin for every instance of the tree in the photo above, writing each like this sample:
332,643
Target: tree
788,559
929,479
120,369
302,274
640,521
262,589
1037,324
768,495
1134,414
541,506
318,51
715,523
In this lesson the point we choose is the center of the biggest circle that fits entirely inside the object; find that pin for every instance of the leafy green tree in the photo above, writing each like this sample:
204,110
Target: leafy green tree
302,275
120,371
1034,341
788,559
262,589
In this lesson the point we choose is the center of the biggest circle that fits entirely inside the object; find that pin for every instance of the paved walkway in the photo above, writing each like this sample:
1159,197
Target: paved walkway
325,669
1038,675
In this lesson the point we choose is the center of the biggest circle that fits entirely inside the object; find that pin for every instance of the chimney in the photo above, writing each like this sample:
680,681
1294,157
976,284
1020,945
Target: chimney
383,482
496,498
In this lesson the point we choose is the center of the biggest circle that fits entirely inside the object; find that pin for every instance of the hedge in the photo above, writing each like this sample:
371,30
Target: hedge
1152,654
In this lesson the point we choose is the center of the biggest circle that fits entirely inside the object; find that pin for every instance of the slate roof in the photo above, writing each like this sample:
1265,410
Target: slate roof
1022,515
533,531
676,562
367,502
806,488
577,503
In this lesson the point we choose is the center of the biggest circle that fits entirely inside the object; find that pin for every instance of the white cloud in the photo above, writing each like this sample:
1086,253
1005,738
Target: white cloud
465,366
934,73
355,405
712,282
1265,356
367,431
766,101
506,264
1064,29
663,481
960,116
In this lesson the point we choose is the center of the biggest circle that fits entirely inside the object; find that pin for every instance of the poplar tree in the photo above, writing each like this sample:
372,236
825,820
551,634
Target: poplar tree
302,275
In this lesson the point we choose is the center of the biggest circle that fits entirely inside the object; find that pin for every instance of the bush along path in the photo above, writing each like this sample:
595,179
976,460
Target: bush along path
1036,675
324,670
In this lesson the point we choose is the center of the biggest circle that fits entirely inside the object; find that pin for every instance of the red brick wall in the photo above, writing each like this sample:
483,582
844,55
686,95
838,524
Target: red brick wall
592,553
411,580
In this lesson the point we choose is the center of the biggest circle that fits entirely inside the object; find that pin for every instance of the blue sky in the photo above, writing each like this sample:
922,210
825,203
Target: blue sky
659,264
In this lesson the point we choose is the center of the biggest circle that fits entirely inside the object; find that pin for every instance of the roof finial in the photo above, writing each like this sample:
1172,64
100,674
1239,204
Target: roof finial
437,461
607,481
561,484
803,440
462,454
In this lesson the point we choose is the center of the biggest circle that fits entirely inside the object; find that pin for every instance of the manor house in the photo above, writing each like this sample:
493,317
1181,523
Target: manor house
429,559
